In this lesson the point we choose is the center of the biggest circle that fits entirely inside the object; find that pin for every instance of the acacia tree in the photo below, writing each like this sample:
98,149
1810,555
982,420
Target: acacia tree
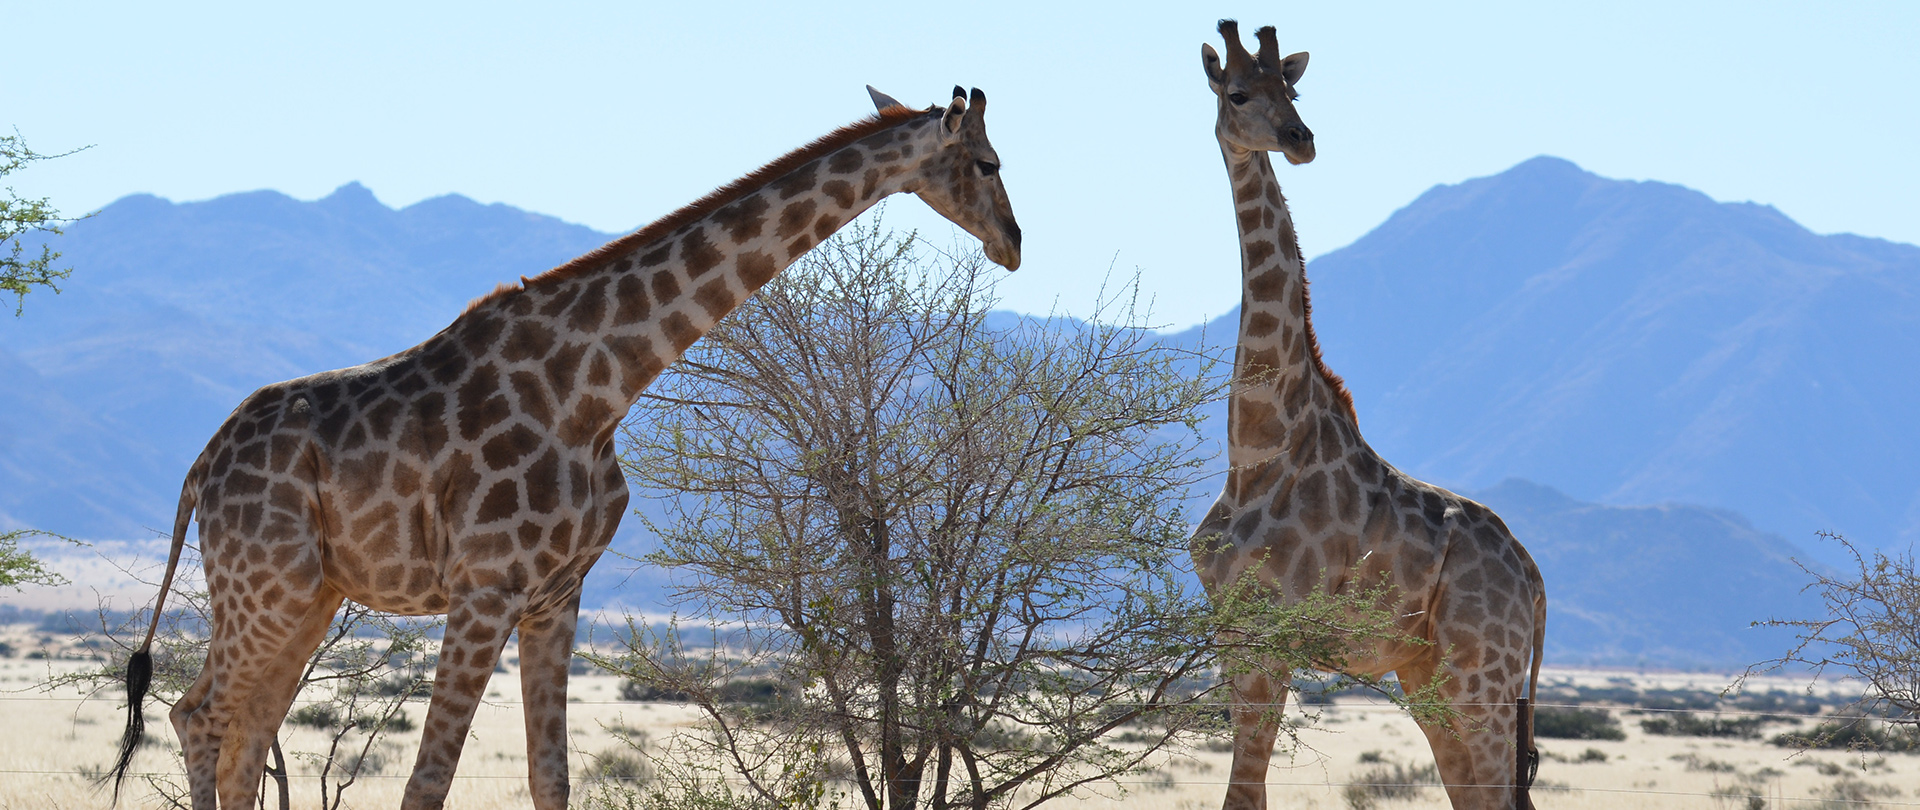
18,567
1871,631
20,217
956,551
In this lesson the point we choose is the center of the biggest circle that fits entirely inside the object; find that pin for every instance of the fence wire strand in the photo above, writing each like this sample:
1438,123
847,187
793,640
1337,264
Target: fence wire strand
1353,706
1823,800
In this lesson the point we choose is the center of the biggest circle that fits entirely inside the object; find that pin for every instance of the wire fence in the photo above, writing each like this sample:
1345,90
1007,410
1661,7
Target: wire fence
1742,787
1344,706
1818,801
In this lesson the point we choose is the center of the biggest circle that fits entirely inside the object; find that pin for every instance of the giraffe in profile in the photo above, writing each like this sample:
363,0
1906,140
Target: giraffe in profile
1308,506
474,475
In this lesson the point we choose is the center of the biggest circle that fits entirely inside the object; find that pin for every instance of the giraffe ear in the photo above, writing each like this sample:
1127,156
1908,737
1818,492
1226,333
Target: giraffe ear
956,115
1292,67
881,101
1210,62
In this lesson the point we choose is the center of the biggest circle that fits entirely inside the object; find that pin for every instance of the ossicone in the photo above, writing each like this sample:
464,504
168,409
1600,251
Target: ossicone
1237,57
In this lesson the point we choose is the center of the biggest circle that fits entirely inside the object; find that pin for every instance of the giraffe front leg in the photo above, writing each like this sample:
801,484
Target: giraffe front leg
478,623
1258,698
546,650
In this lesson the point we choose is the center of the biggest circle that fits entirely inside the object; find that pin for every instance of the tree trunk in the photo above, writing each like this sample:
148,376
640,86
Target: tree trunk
278,770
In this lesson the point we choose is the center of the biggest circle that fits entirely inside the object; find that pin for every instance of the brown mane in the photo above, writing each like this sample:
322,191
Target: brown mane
885,119
1333,380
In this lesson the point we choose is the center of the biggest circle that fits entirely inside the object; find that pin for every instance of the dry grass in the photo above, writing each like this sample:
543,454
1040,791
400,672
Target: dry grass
49,739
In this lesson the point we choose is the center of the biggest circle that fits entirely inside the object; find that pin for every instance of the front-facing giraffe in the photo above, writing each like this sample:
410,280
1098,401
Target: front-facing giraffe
1308,506
474,474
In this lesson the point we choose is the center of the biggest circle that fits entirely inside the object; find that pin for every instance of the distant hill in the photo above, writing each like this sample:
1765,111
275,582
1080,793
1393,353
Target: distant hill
1666,586
1635,342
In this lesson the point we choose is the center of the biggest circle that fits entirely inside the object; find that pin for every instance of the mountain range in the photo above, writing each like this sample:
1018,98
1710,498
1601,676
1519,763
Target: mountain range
1626,343
1636,342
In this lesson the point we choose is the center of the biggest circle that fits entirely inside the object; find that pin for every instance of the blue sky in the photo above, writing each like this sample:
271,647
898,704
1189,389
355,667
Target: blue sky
613,114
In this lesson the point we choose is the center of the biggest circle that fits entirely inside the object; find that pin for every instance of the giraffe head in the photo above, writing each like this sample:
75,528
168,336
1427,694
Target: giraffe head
1256,95
960,178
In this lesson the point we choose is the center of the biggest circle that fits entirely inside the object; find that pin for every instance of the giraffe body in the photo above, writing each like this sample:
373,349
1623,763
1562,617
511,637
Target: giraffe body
475,474
1309,506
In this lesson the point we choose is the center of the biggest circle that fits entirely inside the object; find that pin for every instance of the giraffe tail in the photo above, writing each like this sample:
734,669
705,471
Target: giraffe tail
1533,677
140,664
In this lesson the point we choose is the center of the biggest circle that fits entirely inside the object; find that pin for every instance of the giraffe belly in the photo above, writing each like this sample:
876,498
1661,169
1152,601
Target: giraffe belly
400,587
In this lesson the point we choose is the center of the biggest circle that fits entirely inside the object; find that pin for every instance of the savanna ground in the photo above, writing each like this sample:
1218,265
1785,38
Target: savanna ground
51,741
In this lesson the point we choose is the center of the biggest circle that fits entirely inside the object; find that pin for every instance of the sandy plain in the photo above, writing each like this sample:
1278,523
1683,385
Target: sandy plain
49,740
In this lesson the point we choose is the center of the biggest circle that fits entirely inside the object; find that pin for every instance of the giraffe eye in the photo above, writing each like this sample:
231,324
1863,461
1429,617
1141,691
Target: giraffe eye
987,168
1237,98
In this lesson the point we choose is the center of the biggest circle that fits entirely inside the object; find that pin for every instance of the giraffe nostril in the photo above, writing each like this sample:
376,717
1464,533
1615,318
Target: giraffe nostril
1013,231
1300,134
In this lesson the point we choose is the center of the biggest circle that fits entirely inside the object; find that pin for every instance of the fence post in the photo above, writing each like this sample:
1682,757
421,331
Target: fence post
1522,753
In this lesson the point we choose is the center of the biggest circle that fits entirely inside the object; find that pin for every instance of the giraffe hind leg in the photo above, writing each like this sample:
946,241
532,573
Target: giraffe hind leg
1474,753
215,718
253,728
203,762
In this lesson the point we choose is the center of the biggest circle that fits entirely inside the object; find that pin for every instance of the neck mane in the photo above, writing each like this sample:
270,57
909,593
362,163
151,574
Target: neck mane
713,201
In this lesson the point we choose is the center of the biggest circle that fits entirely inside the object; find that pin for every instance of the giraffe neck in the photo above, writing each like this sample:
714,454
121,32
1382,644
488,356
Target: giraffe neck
590,336
1283,384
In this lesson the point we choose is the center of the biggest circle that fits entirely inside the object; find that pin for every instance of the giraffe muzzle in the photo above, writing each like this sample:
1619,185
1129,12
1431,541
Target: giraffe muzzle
1005,251
1297,144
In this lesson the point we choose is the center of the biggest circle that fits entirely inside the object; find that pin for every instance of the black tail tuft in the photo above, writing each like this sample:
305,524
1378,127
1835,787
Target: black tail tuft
139,677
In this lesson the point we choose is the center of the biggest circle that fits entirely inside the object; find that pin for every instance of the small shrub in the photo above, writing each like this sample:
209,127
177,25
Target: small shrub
1576,724
1695,762
1314,696
648,693
322,716
1780,701
631,735
1825,768
744,690
1394,782
1158,781
1685,724
1748,793
1591,755
621,765
1002,737
1850,792
368,763
754,691
1851,735
399,722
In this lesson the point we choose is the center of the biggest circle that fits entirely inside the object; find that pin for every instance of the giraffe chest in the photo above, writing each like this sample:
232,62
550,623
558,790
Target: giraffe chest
1327,527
